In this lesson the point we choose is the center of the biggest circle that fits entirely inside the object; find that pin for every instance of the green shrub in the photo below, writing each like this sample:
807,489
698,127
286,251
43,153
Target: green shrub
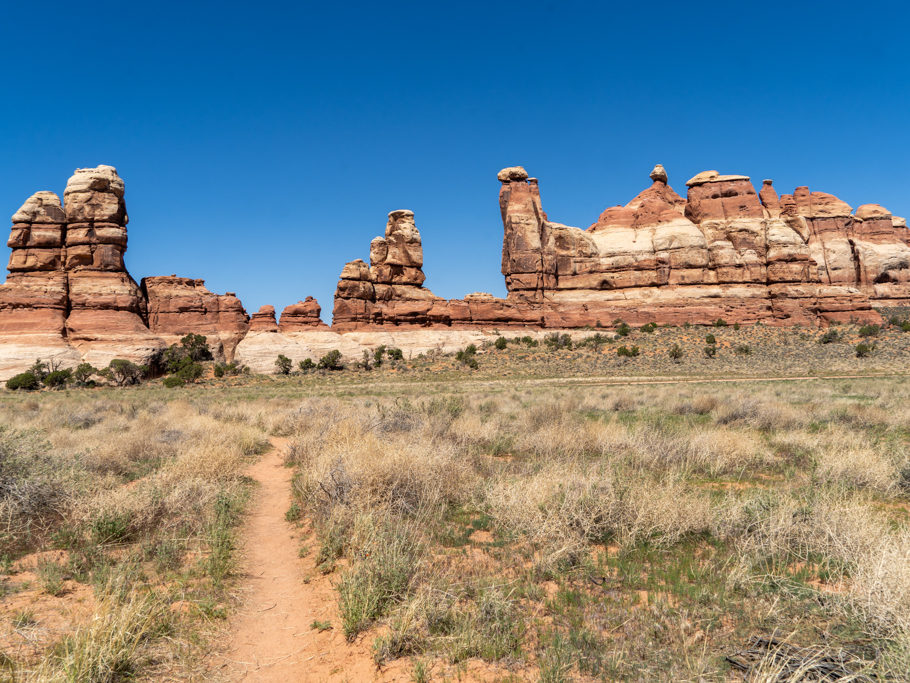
186,369
220,537
500,343
123,372
294,513
191,349
379,579
283,364
743,350
467,356
331,361
720,322
869,331
223,369
710,339
196,347
306,365
595,341
529,341
172,381
378,353
26,381
627,352
864,349
395,353
675,352
558,341
51,576
622,329
58,379
82,374
735,326
829,337
648,328
110,528
710,351
39,369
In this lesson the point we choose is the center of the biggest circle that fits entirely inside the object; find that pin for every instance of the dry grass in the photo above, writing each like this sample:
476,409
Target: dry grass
136,497
544,530
780,500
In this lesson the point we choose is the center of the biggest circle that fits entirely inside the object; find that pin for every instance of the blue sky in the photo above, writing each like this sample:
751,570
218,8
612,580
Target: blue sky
263,144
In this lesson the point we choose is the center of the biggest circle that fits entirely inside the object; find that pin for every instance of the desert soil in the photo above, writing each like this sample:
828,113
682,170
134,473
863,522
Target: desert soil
272,638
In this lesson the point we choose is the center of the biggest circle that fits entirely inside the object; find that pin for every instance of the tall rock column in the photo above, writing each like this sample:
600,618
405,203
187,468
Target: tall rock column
390,290
527,269
107,308
34,297
33,300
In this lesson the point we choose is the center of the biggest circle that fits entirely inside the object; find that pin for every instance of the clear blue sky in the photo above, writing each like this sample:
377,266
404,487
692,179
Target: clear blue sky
263,143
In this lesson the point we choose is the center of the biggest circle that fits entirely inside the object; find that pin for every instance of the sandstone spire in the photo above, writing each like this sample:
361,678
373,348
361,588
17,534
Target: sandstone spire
390,289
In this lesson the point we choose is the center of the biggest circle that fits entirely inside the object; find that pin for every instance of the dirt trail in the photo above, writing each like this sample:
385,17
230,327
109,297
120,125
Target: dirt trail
271,637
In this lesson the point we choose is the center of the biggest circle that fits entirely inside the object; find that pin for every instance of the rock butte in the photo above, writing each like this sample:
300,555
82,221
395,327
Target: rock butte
723,251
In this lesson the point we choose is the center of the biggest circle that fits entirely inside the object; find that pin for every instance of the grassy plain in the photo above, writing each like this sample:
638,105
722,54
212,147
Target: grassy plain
554,514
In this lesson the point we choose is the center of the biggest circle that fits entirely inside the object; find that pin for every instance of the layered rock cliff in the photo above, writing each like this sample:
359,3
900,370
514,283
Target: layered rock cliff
723,251
179,305
69,298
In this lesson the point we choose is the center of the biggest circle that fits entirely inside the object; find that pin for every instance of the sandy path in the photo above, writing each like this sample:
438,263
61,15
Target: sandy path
271,638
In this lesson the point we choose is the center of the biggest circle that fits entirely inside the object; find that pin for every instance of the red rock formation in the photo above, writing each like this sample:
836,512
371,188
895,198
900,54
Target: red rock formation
263,320
390,290
867,249
107,308
181,305
34,299
724,251
302,316
69,297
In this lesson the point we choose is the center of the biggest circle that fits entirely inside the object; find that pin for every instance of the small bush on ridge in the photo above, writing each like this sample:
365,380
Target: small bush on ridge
283,364
864,349
26,381
331,361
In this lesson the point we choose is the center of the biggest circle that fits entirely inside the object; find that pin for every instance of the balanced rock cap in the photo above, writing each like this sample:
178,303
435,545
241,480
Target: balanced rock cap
659,174
511,173
712,177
